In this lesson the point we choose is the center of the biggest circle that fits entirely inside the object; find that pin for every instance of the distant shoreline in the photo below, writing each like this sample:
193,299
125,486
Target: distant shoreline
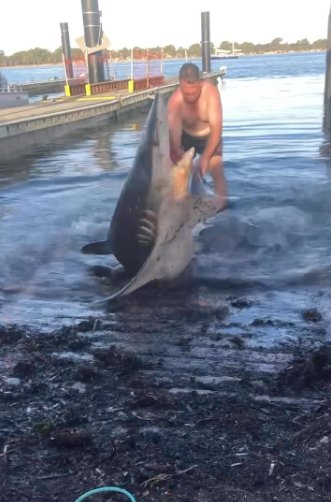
51,65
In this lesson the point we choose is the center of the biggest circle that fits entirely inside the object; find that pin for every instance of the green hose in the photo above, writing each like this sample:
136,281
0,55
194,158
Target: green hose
106,489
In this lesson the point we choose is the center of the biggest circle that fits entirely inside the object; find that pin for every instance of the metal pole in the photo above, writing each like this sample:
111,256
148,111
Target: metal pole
131,81
205,42
107,66
66,51
93,37
131,76
161,66
147,70
327,89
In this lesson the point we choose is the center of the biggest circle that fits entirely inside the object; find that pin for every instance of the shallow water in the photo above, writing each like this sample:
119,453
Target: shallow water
272,245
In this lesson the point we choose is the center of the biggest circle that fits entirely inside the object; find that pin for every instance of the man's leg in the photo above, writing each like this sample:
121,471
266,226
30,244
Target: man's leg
217,172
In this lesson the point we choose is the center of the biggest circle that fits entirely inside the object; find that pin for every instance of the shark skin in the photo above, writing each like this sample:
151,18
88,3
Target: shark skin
173,248
143,190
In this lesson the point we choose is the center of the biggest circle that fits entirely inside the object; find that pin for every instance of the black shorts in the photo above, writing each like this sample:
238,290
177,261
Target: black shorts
198,142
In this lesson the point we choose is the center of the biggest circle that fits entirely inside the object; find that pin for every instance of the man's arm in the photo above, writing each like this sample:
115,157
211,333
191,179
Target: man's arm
215,120
175,127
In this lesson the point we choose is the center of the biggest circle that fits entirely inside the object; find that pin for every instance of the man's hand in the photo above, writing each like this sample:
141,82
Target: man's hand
147,231
176,154
203,165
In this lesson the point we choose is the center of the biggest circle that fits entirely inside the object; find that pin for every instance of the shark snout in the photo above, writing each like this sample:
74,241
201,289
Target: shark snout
181,173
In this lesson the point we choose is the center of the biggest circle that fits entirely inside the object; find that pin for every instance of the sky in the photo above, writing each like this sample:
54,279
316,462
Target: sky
26,24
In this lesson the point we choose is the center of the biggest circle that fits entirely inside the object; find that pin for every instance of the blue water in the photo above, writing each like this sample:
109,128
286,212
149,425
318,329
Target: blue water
276,66
272,245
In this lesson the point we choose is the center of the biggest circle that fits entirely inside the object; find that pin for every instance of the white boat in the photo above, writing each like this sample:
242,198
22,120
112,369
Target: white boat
11,95
225,54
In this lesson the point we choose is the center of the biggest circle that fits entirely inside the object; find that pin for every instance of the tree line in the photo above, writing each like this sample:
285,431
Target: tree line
44,56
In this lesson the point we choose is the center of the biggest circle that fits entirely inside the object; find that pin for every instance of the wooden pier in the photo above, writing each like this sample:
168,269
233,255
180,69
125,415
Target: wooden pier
23,128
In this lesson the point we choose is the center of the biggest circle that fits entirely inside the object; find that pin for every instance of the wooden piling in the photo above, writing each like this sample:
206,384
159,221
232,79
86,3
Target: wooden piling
327,90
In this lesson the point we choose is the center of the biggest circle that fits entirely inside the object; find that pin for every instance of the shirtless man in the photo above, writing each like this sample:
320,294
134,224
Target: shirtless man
195,119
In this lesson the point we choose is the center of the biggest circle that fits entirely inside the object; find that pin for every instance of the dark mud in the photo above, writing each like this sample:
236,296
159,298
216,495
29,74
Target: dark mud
132,402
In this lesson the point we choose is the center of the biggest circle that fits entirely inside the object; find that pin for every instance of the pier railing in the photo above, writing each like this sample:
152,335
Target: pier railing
75,89
140,84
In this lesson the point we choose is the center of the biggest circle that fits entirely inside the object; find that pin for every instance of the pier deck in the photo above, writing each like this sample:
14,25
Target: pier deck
67,104
24,127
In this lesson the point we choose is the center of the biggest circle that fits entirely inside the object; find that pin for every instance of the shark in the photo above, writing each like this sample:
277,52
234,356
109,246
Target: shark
174,193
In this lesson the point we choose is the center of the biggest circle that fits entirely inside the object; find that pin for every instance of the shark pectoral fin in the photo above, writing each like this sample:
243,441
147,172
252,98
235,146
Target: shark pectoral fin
99,247
173,249
152,270
139,280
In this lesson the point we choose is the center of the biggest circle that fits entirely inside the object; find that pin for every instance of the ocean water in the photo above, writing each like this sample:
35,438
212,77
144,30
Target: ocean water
270,66
271,246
